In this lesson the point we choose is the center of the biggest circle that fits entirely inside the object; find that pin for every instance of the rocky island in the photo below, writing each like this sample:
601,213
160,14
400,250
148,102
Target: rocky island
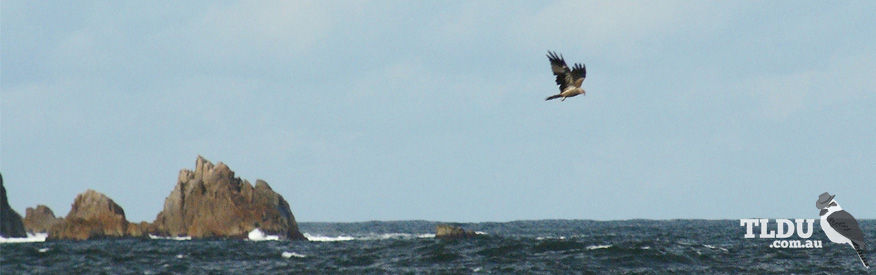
207,202
39,219
93,216
447,232
10,221
211,202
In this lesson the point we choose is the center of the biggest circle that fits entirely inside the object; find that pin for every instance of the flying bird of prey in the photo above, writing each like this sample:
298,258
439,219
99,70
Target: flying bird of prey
569,80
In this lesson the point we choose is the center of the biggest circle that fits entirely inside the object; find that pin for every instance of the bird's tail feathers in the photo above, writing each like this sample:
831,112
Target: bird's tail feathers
552,97
860,252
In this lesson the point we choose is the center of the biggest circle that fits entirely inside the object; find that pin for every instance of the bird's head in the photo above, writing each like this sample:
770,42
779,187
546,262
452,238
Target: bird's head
831,207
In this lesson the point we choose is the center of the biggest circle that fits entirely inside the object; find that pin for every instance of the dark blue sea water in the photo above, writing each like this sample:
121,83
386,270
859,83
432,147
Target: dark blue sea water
546,246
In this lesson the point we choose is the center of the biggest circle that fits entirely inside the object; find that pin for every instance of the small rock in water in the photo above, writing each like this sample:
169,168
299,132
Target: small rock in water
446,231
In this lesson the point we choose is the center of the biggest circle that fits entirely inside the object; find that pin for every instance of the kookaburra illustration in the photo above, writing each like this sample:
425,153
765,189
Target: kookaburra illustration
840,226
569,80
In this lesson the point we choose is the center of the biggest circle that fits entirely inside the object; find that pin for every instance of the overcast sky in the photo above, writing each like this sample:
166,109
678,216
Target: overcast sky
395,110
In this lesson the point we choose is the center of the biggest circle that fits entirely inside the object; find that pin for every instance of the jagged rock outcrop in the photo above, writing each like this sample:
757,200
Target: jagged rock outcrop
39,219
446,231
141,229
10,221
210,202
93,216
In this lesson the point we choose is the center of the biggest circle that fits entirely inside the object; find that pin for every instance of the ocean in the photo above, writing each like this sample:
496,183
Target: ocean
542,246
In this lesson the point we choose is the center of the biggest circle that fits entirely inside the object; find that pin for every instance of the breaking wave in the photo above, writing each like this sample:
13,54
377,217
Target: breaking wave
287,255
367,237
258,235
320,238
178,238
594,247
31,238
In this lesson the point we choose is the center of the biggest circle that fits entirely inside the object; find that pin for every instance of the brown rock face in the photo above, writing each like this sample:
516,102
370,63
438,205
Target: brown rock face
139,229
93,216
211,203
445,231
39,219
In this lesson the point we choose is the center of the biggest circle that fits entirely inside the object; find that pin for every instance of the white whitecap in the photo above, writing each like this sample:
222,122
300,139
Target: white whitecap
386,236
594,247
713,247
179,256
258,235
321,238
43,250
480,233
178,238
31,238
367,237
287,255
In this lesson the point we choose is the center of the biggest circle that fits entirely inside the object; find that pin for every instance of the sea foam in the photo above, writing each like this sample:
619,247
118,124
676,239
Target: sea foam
178,238
258,235
31,238
320,238
367,237
594,247
287,255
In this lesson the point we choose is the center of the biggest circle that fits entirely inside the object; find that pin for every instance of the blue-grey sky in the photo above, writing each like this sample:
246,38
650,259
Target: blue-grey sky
390,110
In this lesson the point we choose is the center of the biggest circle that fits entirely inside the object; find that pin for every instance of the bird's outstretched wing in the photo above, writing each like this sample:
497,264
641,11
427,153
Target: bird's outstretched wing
846,225
579,72
566,77
558,66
